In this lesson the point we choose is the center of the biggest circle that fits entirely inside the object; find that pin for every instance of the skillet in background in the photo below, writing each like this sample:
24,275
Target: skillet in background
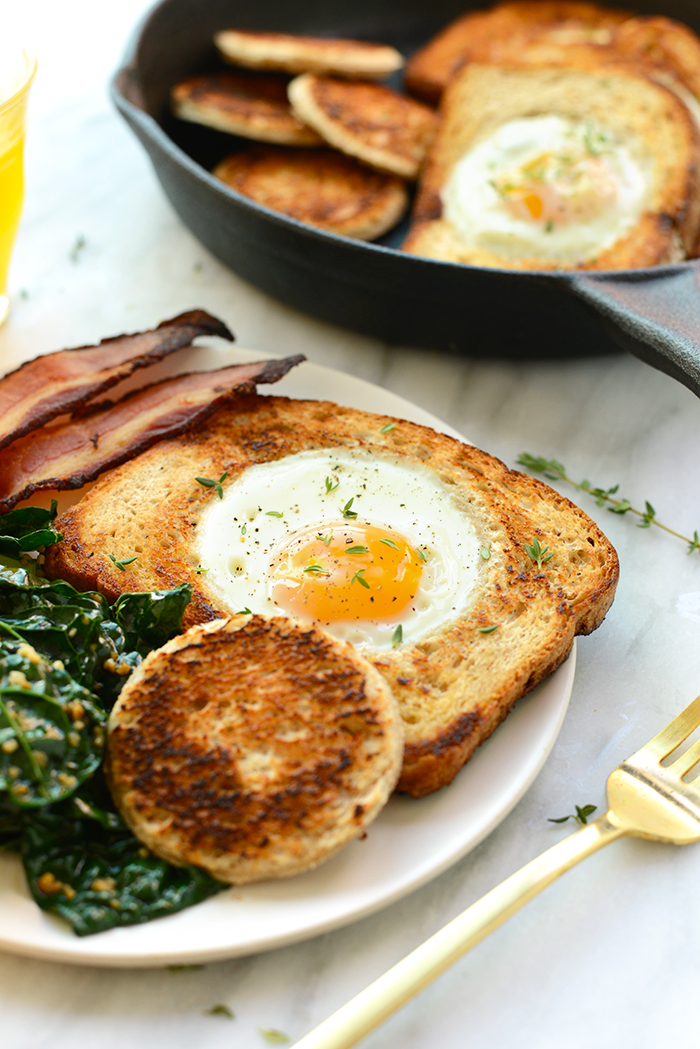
374,288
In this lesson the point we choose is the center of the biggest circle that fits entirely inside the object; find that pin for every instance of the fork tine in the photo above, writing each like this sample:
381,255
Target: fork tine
666,741
686,761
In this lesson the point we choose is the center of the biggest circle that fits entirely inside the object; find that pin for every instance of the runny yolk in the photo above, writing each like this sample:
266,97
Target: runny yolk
346,572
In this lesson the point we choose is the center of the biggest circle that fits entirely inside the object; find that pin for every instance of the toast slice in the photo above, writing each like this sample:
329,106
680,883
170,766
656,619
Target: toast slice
506,33
290,757
247,104
369,121
545,573
540,32
287,53
625,194
319,186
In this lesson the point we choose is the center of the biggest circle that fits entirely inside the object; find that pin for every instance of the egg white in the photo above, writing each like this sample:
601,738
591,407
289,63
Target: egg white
240,537
476,210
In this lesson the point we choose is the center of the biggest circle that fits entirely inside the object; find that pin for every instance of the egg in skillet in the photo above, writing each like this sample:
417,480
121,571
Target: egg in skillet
371,548
544,185
549,168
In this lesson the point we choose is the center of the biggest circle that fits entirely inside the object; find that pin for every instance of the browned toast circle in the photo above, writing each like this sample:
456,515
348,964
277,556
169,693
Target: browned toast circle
253,747
247,104
321,187
301,54
368,121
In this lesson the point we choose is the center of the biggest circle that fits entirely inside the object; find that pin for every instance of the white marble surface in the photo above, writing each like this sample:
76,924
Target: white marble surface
609,953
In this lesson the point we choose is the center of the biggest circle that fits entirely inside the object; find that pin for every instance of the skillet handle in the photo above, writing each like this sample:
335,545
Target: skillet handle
655,315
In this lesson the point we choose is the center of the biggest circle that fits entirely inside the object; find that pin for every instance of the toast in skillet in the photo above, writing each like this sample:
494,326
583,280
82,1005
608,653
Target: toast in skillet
380,127
504,33
454,684
318,186
242,103
614,186
287,53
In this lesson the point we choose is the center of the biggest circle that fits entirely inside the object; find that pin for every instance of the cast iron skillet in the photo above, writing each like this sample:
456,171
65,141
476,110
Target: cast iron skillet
375,288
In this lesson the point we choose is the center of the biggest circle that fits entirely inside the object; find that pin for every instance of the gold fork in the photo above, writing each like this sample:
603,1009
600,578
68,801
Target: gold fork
645,800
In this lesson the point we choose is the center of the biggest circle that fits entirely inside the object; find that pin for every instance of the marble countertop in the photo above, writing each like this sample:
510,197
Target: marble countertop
607,953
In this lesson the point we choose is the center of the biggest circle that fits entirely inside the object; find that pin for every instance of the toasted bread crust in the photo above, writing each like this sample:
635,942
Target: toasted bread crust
245,104
454,686
482,97
301,54
368,121
505,33
253,747
321,187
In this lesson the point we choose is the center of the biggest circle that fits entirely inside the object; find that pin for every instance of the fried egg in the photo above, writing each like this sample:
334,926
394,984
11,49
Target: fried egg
370,548
547,187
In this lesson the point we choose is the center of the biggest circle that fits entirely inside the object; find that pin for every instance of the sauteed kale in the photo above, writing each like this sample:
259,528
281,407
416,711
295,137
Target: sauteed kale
64,656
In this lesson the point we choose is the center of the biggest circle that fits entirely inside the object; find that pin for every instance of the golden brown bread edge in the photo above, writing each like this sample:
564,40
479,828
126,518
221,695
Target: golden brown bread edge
620,97
454,687
495,34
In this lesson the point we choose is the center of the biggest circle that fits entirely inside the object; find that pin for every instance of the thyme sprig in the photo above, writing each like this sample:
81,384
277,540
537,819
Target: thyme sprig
581,817
556,471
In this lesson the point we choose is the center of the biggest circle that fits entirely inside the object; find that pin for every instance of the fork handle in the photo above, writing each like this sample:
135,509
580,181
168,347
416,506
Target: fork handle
372,1006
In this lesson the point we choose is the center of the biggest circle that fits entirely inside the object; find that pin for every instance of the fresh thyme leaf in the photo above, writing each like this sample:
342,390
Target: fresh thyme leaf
122,563
397,636
331,484
207,482
244,529
581,817
621,508
648,516
487,629
389,542
347,512
244,612
359,577
356,550
422,554
273,513
537,553
200,570
388,427
79,244
272,1035
693,544
219,1010
485,553
327,538
317,568
549,226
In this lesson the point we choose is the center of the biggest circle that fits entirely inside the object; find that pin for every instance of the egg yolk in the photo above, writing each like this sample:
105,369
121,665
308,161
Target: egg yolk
559,189
349,572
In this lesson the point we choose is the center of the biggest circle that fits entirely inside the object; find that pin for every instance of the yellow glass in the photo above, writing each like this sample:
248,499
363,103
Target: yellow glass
13,114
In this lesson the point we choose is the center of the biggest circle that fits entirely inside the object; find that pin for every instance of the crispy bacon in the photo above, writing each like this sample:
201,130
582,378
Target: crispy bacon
95,439
59,382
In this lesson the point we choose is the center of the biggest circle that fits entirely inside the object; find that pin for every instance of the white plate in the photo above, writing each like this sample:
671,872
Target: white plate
410,843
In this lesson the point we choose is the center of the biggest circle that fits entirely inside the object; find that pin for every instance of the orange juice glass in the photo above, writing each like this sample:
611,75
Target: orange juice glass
16,74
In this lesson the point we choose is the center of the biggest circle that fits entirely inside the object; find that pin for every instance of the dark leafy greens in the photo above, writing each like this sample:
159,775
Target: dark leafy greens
64,656
26,529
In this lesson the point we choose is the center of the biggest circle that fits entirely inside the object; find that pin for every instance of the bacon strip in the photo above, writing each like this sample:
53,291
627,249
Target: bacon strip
68,455
59,382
